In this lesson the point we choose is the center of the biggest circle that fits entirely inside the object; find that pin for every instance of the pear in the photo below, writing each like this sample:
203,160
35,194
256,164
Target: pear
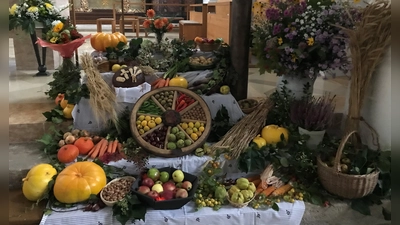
252,187
247,194
233,190
237,197
242,183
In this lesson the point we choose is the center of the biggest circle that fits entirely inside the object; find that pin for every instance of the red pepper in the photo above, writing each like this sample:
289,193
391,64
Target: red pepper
181,107
181,97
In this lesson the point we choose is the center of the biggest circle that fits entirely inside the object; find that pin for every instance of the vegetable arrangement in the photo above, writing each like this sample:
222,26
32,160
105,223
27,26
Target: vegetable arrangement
150,107
183,101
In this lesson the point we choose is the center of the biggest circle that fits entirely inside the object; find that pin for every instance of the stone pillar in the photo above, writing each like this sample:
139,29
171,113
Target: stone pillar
240,45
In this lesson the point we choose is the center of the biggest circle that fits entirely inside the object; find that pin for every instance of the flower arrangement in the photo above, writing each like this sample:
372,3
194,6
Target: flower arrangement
158,25
303,37
27,12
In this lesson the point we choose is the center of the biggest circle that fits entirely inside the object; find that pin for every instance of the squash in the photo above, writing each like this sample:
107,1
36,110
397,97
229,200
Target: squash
36,181
178,82
84,144
67,111
67,153
101,41
261,142
272,134
78,181
63,103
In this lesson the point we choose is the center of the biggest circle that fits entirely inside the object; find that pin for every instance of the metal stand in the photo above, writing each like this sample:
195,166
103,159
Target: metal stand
41,62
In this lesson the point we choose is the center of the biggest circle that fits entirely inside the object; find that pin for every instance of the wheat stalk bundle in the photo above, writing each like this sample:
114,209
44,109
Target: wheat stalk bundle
240,135
102,97
368,43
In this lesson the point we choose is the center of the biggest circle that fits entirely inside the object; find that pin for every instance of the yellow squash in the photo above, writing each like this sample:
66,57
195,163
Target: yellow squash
178,82
78,181
36,181
272,134
67,111
261,142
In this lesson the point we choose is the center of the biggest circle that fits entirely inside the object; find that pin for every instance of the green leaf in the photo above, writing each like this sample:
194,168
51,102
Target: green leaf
56,120
139,212
386,214
122,218
46,139
48,115
360,206
284,162
275,206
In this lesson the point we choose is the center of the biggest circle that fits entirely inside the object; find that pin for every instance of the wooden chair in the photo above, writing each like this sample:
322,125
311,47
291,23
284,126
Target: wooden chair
112,21
133,21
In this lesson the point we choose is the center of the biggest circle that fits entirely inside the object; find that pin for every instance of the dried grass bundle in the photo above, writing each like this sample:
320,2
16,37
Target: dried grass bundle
102,97
368,43
239,136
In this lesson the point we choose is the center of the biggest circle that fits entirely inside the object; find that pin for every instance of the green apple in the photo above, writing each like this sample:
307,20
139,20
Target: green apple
157,188
178,176
164,176
154,174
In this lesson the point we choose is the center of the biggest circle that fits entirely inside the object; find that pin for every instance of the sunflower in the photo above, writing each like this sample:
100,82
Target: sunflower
58,27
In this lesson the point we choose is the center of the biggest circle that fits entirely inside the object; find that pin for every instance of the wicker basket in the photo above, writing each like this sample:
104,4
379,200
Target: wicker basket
240,205
249,110
345,185
103,67
207,47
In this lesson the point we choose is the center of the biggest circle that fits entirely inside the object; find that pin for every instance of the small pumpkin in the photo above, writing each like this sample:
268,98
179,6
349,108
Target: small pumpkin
36,181
63,103
272,134
59,98
101,41
84,144
78,181
178,81
67,111
261,142
67,153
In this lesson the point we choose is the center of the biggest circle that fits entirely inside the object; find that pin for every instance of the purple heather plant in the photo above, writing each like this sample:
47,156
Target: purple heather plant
303,37
313,114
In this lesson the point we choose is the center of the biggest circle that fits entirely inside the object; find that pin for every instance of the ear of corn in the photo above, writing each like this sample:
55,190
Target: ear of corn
282,190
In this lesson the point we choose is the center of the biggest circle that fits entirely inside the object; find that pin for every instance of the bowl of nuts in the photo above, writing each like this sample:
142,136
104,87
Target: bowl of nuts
116,190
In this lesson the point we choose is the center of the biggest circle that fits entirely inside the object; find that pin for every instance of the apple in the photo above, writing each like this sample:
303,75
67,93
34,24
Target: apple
159,182
144,189
144,176
154,174
179,185
181,193
167,194
178,176
211,41
176,190
153,194
187,185
164,176
158,188
148,182
170,186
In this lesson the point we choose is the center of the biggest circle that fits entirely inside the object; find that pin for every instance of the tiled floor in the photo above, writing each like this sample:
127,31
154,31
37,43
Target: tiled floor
24,88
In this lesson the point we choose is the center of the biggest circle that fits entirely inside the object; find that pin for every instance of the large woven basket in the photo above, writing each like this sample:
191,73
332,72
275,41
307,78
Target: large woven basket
207,47
345,185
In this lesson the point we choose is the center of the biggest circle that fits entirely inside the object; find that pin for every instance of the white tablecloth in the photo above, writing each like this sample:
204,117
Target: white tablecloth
289,214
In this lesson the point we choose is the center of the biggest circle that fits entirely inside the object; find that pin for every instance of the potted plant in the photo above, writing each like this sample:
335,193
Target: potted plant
313,116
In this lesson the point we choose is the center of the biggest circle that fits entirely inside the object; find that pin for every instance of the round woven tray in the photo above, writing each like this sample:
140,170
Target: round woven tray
345,185
199,104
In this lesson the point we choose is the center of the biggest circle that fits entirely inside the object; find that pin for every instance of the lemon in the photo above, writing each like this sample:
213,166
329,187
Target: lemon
201,129
189,131
197,124
184,126
194,129
138,122
151,124
141,131
199,133
202,124
158,120
147,118
141,118
146,128
194,136
225,90
152,118
144,123
139,127
115,67
191,124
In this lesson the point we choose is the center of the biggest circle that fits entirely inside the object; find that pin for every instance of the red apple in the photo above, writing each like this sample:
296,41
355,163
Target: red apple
211,41
181,193
187,185
144,189
144,176
148,182
170,186
167,194
153,194
176,190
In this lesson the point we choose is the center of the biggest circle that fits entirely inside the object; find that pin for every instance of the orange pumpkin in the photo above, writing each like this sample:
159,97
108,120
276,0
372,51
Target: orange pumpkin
67,153
84,145
78,181
59,98
101,41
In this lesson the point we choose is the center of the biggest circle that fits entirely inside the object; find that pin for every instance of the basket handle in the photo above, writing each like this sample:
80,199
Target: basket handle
339,152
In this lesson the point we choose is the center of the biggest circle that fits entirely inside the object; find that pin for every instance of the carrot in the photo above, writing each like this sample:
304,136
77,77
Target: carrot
96,149
114,146
166,82
282,190
259,190
156,81
109,146
161,83
253,178
269,190
256,182
260,186
103,148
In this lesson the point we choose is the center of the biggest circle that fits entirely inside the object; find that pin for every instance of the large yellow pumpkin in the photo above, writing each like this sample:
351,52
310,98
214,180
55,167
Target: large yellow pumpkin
101,41
78,181
272,134
36,181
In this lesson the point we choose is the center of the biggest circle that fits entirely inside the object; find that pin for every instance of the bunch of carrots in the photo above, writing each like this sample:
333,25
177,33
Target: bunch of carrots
270,190
159,83
104,146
